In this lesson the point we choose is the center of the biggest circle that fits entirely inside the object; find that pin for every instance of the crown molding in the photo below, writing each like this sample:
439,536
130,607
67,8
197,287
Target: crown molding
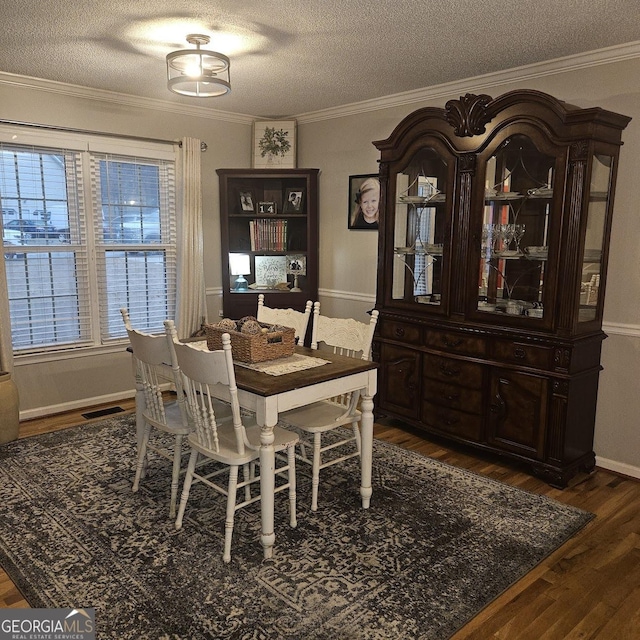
556,66
608,55
123,99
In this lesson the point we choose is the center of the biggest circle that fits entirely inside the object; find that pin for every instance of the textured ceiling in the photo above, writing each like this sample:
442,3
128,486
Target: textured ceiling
290,57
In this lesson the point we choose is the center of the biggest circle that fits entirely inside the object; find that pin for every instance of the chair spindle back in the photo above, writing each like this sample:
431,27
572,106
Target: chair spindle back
207,375
286,317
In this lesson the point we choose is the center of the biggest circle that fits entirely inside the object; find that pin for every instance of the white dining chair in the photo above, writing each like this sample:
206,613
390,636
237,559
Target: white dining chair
344,336
234,444
152,355
299,320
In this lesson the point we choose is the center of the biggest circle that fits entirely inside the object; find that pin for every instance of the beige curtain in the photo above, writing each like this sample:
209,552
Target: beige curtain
191,303
6,350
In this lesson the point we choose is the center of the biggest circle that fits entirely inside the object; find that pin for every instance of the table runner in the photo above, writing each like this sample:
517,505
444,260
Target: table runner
278,367
281,366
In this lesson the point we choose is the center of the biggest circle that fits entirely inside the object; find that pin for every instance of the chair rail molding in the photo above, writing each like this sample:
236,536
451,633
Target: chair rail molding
621,329
369,298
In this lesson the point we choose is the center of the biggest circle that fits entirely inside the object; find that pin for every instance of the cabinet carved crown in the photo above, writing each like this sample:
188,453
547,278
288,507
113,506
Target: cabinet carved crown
469,115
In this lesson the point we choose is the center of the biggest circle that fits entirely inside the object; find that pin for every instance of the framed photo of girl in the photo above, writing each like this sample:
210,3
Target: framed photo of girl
364,201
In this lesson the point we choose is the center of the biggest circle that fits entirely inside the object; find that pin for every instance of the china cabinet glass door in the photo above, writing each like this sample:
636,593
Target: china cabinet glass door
419,230
516,225
601,167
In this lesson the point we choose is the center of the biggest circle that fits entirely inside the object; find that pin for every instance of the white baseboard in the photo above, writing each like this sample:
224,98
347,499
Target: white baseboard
82,403
618,467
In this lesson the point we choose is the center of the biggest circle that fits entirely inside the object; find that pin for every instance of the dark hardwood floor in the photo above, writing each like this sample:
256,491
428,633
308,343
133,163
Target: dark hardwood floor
589,589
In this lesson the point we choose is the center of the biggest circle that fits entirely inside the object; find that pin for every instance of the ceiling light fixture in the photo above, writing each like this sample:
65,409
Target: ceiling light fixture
198,72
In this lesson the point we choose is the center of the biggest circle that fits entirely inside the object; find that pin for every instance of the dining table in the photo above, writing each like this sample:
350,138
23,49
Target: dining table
269,395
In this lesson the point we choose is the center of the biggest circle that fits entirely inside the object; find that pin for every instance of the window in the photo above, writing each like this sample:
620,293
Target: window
88,227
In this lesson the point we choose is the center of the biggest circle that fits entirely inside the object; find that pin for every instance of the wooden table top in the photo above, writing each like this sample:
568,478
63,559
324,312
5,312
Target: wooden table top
263,384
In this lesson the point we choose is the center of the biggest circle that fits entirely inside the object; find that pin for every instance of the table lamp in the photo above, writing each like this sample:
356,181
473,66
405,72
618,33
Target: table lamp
296,266
240,265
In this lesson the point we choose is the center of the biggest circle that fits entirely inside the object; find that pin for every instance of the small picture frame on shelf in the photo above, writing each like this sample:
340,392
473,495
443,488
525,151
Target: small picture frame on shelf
267,208
364,202
246,201
297,264
293,201
296,267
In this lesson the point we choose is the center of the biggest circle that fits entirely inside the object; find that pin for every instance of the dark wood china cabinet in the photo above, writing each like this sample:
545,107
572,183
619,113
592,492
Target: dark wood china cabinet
492,268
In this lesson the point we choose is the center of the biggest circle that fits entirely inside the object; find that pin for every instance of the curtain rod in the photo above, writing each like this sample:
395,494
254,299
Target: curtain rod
203,145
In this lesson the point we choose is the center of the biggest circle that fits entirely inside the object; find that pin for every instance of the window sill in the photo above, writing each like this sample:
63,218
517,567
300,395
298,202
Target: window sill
69,353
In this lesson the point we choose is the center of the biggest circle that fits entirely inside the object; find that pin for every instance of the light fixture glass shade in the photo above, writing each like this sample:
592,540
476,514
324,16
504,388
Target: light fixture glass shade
198,72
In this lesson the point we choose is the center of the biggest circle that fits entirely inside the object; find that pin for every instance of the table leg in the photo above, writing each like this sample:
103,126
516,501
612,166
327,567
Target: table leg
366,452
267,487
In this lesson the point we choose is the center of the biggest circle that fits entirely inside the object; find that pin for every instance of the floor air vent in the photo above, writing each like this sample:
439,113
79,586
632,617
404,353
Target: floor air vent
102,412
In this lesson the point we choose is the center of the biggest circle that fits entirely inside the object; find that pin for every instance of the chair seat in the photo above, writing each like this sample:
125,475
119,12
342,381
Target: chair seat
283,438
228,453
318,417
174,423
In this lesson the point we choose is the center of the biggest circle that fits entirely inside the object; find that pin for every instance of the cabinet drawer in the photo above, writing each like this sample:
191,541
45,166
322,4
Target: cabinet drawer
399,379
523,353
452,422
408,333
455,342
452,396
465,374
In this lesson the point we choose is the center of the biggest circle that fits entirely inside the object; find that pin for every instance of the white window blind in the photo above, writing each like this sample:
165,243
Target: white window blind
85,234
135,242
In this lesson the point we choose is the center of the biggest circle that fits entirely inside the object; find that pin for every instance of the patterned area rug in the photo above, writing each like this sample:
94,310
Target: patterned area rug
437,545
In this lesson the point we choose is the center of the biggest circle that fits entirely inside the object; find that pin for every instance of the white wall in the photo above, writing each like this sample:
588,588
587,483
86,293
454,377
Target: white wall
339,143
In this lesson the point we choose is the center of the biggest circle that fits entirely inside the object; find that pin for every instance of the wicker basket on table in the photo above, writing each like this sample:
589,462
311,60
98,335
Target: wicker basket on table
253,348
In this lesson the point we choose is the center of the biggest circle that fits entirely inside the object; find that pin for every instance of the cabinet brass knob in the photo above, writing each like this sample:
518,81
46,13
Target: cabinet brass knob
519,353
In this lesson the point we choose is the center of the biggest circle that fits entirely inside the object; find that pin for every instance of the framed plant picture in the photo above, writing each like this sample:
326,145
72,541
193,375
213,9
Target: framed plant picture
274,144
293,201
364,202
